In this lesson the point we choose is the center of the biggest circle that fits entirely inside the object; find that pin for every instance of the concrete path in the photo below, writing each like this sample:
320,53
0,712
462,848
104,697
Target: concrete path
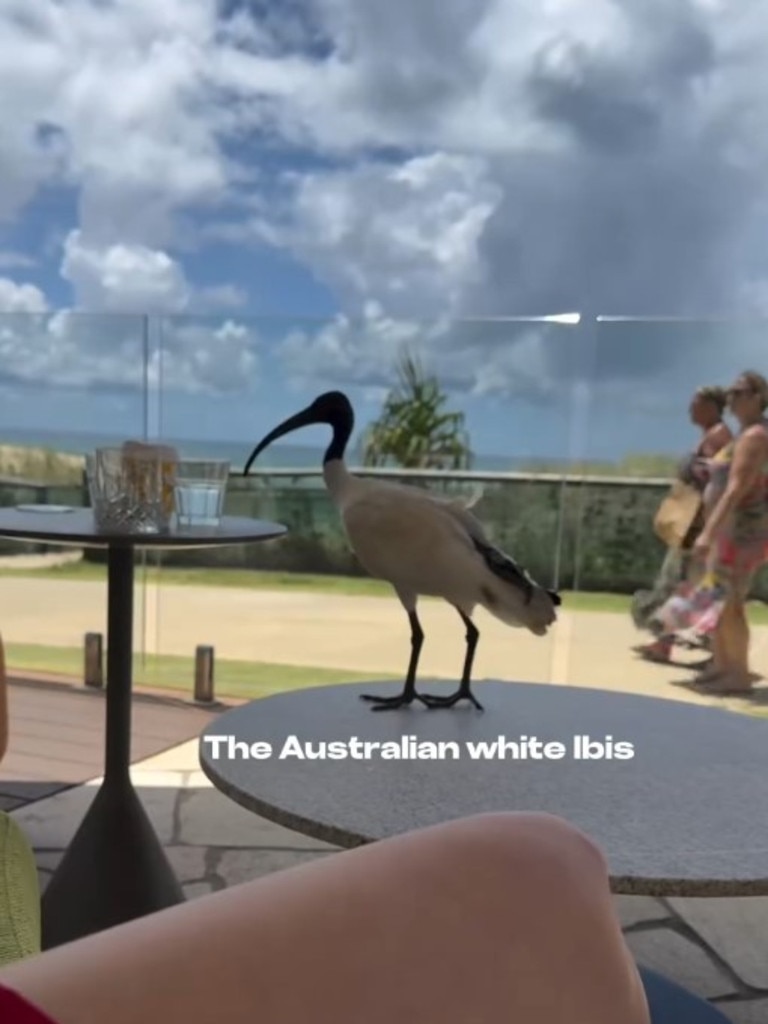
718,948
366,634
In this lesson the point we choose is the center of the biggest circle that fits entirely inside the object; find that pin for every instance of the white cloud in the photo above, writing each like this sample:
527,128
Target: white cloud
199,355
79,350
20,298
405,236
358,350
115,89
619,160
123,278
505,156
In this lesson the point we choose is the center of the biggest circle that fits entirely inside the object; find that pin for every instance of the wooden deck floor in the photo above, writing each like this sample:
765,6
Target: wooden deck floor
57,736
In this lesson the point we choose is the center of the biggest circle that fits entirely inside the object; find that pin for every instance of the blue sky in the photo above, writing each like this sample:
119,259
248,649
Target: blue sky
285,209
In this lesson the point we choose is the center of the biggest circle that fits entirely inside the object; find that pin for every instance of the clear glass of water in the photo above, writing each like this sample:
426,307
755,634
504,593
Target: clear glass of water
201,486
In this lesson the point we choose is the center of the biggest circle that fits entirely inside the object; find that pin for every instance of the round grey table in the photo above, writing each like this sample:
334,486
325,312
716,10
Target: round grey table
115,868
686,815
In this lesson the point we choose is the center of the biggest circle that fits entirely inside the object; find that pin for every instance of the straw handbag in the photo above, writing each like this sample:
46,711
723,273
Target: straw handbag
676,514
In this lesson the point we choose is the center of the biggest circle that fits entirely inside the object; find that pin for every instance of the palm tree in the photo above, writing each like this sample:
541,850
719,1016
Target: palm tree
415,430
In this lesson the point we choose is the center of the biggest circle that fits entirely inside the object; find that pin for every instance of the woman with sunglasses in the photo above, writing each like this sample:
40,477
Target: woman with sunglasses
733,544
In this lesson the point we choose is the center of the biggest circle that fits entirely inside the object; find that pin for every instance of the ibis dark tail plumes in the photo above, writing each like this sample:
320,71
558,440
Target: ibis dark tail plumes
423,545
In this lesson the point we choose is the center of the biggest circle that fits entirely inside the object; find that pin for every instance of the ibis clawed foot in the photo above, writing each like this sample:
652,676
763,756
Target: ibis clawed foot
409,695
464,692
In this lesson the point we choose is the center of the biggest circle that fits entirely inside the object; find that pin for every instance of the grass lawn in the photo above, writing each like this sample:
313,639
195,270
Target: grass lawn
243,679
246,680
304,583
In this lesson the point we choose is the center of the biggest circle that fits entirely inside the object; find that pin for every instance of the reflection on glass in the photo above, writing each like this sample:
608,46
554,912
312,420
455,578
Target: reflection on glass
640,430
511,385
70,383
574,429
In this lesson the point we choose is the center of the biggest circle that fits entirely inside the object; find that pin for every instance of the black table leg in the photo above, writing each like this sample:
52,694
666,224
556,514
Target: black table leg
115,868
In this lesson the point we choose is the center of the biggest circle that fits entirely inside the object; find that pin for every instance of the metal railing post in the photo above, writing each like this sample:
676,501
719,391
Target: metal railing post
204,682
94,660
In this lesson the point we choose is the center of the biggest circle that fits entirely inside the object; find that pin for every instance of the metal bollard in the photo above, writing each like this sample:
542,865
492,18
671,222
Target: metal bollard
204,674
94,660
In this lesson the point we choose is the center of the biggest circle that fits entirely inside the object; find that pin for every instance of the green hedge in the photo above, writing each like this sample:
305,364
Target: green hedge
590,534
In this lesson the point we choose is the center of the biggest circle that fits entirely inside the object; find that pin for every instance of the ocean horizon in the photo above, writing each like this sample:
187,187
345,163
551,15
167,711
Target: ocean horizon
280,456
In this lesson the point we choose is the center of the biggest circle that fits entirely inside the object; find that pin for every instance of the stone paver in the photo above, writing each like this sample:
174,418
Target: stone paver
194,889
235,866
736,929
635,910
51,823
189,862
751,1012
204,819
664,950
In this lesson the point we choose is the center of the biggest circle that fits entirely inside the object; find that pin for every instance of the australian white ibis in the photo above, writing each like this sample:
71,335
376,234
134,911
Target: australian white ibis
423,545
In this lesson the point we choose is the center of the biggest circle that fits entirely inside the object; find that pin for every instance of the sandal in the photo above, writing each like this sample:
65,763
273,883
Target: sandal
652,653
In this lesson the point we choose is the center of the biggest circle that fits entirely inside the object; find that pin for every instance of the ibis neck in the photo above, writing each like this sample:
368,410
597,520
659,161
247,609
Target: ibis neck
336,476
342,431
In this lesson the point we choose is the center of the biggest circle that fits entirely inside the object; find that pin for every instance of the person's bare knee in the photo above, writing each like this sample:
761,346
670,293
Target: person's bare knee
508,897
519,856
533,835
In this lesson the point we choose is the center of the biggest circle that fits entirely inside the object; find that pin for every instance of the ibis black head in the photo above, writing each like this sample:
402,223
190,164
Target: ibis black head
333,408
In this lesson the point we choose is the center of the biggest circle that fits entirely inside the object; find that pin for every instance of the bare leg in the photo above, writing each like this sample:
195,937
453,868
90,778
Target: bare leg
498,917
464,691
408,694
719,663
731,654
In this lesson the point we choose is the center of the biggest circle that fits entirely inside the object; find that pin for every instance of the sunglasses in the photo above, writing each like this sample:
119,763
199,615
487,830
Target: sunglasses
735,392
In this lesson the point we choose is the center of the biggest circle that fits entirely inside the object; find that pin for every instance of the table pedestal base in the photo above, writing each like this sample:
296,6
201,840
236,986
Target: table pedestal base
113,871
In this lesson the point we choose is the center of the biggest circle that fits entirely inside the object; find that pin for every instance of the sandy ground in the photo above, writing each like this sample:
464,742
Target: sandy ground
367,634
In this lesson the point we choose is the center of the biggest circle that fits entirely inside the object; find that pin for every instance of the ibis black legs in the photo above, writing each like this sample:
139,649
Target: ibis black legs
409,695
464,692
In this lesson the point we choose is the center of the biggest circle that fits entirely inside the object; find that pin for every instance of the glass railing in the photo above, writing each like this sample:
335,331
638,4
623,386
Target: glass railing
575,426
69,382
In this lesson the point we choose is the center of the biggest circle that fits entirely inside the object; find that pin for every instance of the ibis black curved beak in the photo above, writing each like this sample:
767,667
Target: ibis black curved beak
305,418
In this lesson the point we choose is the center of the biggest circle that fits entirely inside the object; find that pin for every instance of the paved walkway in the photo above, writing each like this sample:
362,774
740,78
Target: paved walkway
716,947
368,634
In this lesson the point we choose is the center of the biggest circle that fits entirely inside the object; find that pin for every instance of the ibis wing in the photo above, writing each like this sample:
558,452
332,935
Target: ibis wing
459,511
502,565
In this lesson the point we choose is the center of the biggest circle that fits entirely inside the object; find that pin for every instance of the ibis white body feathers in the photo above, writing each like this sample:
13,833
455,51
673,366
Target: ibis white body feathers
427,545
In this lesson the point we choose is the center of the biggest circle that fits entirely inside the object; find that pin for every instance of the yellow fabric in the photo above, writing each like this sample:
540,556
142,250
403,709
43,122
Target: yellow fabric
19,894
